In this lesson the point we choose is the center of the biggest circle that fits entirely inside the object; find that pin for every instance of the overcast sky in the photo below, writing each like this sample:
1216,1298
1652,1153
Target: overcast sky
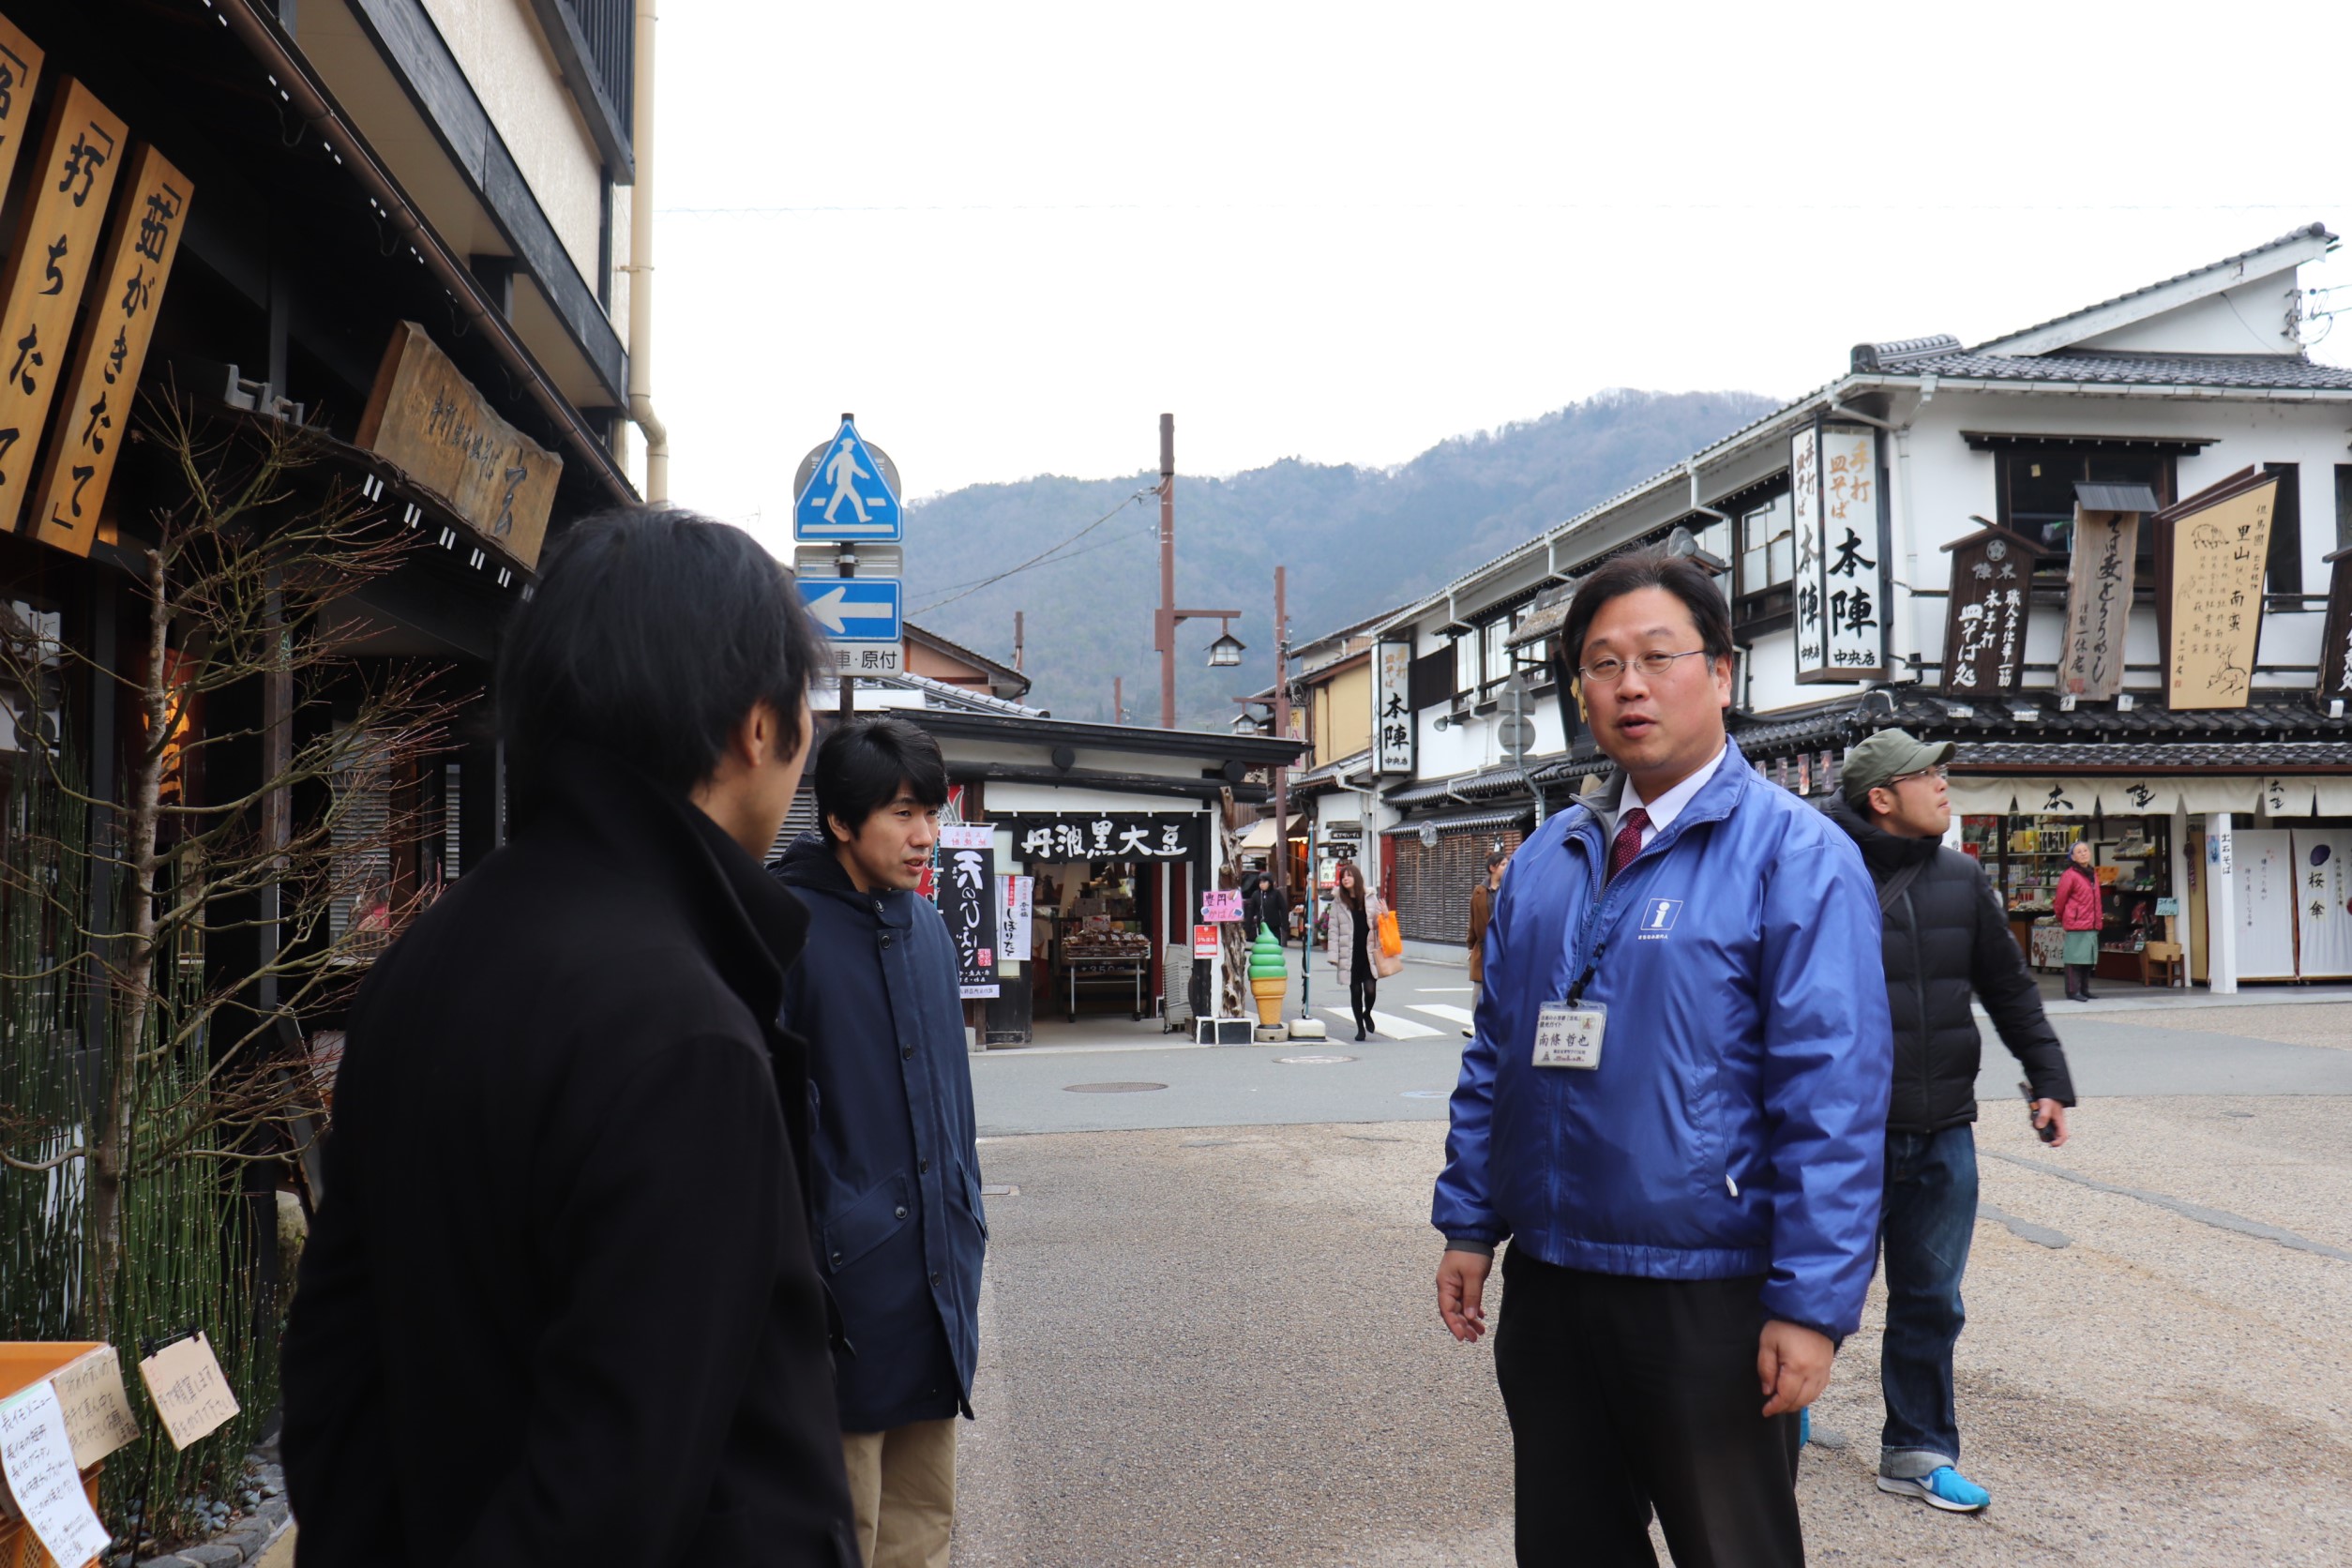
1009,237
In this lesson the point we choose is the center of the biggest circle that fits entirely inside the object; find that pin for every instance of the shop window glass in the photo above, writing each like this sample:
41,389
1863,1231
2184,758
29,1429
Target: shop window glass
1466,672
2037,492
1498,658
1767,546
2284,571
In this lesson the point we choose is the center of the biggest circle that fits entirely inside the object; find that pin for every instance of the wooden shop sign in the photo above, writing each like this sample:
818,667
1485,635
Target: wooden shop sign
2097,602
2211,552
55,247
1987,611
423,415
111,353
2335,644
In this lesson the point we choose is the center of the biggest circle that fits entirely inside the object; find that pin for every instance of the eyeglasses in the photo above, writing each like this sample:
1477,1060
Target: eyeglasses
1608,672
1939,772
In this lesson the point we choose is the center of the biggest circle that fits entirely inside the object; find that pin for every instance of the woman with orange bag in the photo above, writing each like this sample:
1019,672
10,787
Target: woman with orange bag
1355,914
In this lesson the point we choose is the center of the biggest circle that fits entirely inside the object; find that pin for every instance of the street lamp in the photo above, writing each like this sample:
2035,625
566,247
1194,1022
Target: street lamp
1226,651
1246,724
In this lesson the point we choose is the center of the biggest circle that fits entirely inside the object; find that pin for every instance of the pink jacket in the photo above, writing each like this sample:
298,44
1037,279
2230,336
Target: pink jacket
2076,900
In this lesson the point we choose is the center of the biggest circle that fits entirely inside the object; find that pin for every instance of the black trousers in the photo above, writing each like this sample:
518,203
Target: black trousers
1627,1394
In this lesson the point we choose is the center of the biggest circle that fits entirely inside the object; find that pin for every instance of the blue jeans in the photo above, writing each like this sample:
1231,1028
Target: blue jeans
1923,1232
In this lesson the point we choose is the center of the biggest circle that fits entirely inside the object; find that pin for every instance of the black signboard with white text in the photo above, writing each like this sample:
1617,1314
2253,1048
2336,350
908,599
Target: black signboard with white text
1987,614
1134,835
967,901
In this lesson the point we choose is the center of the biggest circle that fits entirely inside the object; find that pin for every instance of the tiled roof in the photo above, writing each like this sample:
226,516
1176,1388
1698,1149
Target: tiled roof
1460,821
2259,372
2238,757
1507,779
2272,715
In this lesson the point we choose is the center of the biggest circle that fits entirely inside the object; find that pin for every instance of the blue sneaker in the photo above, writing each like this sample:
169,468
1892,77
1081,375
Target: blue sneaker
1804,1426
1943,1487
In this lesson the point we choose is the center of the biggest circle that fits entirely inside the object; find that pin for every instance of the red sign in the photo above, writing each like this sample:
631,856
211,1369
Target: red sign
1204,941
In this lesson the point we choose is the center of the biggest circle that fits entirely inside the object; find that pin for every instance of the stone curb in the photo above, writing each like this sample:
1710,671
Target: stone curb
247,1537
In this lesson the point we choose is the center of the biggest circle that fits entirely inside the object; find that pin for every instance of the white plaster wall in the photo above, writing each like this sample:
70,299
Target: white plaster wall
506,60
2251,317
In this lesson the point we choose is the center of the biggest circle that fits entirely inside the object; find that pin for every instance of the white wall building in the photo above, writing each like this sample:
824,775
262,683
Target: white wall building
2213,772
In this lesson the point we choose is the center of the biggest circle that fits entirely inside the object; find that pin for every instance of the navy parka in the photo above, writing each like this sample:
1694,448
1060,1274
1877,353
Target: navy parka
894,1206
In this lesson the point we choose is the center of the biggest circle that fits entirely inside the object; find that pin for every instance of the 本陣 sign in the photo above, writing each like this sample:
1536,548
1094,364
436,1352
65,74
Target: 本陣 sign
1392,719
1805,499
968,902
55,248
2211,552
2097,602
1108,836
428,418
1986,612
111,351
1853,567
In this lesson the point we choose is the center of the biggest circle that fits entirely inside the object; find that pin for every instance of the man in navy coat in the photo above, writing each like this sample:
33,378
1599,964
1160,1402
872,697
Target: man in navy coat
895,1191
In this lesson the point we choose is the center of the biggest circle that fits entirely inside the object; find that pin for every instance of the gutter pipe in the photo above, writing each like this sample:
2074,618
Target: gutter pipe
307,96
640,267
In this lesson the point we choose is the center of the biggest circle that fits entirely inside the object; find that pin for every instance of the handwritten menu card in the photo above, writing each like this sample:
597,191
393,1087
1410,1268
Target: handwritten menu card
37,1459
190,1395
97,1411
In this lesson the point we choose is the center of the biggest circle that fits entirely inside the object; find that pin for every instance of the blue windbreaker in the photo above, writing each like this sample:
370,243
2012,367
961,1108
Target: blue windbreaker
1737,1122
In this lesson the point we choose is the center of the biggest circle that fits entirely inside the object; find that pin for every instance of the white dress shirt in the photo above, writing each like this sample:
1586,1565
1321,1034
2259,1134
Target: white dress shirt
1668,806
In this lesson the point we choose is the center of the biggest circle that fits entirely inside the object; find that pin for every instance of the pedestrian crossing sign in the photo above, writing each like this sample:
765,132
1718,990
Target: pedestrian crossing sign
848,494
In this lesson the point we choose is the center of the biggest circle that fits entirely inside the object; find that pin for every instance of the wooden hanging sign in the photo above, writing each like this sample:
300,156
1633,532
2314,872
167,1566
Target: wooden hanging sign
1987,611
2335,642
111,353
57,245
2211,552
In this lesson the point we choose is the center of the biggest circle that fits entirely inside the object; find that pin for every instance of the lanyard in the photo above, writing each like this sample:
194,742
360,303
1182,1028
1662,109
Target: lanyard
1576,992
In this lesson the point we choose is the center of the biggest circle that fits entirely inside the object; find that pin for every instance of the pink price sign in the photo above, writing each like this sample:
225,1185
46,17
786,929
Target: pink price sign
1221,904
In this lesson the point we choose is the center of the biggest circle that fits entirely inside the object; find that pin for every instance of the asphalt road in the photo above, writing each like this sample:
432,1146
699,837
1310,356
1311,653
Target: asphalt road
1208,1334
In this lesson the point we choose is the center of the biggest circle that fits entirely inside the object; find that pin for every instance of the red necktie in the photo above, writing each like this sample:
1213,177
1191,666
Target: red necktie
1628,841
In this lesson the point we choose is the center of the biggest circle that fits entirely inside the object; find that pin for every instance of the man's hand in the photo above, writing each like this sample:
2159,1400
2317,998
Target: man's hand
1792,1364
1461,1291
2050,1113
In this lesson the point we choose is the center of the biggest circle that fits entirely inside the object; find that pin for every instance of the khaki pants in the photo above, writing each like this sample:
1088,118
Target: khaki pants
902,1484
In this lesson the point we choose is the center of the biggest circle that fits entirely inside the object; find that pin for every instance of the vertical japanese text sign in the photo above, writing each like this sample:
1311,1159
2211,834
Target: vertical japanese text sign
1853,568
2335,642
107,358
19,73
2097,602
968,902
80,158
1805,584
1985,614
1392,698
2211,550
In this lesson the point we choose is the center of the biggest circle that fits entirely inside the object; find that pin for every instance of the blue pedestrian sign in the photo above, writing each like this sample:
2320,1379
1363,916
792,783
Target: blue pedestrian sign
847,494
855,609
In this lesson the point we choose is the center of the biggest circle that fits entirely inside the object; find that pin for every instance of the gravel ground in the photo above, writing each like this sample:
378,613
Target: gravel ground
2287,1023
1219,1347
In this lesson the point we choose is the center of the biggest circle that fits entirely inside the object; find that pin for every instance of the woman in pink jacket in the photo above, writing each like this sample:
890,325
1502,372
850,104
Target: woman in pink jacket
2075,901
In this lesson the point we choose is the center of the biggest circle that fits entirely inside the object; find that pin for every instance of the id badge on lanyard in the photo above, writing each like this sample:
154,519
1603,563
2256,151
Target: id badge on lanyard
1569,1034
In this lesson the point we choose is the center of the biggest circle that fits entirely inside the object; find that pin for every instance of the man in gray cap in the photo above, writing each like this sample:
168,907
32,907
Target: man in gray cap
1946,937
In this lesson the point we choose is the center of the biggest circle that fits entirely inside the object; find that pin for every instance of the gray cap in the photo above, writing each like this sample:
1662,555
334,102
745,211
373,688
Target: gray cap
1888,755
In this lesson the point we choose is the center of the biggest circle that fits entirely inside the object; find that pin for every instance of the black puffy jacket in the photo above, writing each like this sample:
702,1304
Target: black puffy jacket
1946,937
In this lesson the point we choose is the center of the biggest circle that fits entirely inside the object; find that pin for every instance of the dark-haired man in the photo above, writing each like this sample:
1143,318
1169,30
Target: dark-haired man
1674,1109
895,1190
1947,939
559,1305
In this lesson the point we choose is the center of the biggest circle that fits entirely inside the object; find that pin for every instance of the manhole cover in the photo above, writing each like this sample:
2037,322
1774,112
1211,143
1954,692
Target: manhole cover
1000,1192
1311,1061
1111,1088
1426,1094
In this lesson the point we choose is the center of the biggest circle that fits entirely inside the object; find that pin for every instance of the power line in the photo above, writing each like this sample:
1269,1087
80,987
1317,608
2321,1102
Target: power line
969,589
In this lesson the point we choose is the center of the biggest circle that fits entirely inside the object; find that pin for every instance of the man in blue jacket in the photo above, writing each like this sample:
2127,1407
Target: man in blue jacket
894,1192
1674,1109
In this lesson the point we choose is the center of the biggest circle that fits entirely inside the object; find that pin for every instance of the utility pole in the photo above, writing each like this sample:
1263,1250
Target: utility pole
1282,730
1168,617
1118,700
1017,643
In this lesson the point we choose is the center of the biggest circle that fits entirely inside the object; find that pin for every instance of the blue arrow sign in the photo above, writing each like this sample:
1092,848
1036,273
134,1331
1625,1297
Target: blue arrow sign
847,497
855,609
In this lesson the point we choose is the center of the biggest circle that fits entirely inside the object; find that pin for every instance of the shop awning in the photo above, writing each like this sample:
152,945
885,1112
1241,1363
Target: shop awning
1260,836
2156,794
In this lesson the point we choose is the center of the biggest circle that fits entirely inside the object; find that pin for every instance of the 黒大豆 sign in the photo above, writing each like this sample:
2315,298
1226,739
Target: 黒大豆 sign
1108,834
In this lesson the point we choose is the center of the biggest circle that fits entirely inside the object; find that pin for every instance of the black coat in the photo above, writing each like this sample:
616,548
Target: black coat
1946,937
559,1304
895,1186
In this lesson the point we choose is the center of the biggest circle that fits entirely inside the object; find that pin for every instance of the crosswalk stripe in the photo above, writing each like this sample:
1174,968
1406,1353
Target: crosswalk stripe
1389,1024
1443,1010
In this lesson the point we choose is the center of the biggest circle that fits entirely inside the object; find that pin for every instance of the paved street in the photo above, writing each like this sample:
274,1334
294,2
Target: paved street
1208,1334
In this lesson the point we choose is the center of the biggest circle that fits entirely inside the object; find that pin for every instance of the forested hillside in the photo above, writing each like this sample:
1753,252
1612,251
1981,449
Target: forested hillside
1356,540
